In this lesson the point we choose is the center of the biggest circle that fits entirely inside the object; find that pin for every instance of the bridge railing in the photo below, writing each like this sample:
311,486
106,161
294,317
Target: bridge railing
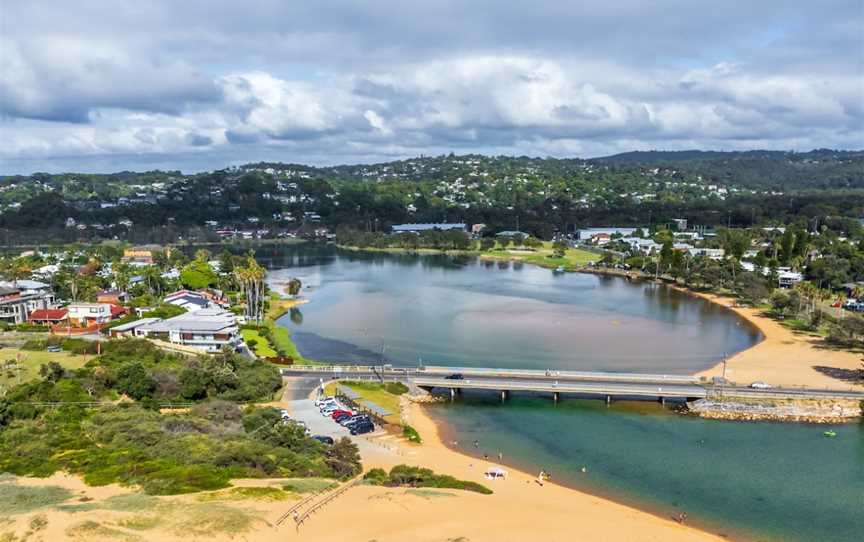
554,373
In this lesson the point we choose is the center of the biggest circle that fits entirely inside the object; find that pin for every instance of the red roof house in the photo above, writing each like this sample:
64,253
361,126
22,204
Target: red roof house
47,316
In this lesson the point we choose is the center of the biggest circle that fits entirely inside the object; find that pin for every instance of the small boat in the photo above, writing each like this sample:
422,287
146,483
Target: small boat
558,270
830,433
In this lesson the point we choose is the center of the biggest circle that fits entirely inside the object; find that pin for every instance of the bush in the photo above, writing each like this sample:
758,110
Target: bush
396,388
376,477
32,327
409,476
411,434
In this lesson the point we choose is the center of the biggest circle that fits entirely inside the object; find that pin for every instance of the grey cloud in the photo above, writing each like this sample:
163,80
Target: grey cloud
333,80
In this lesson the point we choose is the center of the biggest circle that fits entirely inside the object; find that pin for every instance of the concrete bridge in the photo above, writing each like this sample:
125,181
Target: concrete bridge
586,383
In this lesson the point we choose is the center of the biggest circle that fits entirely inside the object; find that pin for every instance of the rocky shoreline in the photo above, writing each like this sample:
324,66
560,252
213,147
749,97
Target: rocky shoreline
780,410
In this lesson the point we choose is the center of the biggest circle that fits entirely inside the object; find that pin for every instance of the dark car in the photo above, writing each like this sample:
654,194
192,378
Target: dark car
342,417
455,376
362,428
355,419
324,439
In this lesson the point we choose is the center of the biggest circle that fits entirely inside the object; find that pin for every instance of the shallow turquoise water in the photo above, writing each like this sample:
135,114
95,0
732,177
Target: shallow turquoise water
759,481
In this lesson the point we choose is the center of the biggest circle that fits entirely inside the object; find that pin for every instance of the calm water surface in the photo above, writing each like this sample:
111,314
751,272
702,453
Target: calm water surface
445,311
759,481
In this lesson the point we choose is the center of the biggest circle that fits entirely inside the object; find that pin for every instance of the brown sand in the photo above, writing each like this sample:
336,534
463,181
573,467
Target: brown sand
785,357
518,510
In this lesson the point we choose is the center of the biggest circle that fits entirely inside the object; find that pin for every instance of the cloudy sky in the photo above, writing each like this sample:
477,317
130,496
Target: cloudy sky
193,85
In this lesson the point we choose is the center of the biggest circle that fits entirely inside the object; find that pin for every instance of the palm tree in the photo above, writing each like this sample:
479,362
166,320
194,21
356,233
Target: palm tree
251,280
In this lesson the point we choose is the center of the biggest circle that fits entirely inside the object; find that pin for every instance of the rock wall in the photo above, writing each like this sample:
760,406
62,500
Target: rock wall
786,410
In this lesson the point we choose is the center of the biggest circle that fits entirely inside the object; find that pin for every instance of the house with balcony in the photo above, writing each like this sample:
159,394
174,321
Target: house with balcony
20,298
93,314
208,330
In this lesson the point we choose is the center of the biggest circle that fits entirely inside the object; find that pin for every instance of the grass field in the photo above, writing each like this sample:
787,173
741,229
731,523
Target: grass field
30,361
263,348
573,259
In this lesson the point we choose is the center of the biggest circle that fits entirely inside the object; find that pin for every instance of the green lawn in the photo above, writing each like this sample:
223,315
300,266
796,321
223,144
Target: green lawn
372,391
573,259
263,348
31,360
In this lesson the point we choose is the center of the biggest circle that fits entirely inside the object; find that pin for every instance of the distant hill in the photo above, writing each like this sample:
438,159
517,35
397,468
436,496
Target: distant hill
653,157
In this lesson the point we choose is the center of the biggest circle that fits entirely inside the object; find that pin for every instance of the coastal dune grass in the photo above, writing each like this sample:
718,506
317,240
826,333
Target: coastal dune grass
16,499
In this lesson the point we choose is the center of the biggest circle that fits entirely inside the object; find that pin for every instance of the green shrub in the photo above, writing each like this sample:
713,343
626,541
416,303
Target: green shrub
32,328
411,434
376,477
396,388
410,476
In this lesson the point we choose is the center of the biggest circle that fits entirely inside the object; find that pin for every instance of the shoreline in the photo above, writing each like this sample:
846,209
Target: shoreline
643,506
783,357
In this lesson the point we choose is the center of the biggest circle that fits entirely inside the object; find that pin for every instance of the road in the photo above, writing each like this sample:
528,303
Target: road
575,382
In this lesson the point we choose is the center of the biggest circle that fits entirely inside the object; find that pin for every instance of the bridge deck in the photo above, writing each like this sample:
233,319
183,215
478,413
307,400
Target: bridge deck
553,381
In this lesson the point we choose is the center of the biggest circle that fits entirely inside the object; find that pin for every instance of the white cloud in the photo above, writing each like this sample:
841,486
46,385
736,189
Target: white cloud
211,82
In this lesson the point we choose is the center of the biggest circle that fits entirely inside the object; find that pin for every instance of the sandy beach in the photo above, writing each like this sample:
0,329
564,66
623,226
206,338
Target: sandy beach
520,509
784,357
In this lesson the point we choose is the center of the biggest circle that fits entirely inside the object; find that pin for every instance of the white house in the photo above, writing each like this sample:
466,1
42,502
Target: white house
710,253
788,279
87,314
209,330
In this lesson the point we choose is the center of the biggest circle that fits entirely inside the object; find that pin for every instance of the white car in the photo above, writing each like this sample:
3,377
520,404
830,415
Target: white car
760,386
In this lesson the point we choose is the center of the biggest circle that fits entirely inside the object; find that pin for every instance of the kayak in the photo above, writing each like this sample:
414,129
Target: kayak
830,433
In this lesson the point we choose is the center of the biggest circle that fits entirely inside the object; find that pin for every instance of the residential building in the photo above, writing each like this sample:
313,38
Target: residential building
17,302
47,317
143,254
788,279
710,253
188,300
645,246
586,234
416,228
93,314
128,329
114,296
209,330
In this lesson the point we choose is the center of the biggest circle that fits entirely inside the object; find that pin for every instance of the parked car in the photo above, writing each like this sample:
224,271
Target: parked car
321,401
339,412
759,385
324,439
362,428
54,348
341,417
356,420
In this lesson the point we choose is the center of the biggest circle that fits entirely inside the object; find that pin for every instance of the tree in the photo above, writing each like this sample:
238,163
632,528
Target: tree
251,280
226,262
343,458
559,248
294,286
134,380
666,254
487,244
198,275
51,371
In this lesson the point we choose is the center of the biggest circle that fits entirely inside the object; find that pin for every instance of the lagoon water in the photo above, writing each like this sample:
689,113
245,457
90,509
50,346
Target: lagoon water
463,312
759,481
